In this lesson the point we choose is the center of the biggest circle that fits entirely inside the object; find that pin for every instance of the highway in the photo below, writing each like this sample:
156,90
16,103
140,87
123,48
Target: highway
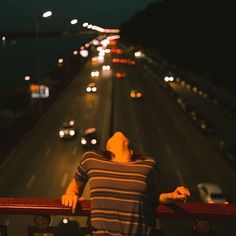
42,165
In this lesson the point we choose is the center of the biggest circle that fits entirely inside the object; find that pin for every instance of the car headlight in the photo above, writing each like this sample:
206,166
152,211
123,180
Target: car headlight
83,141
93,141
94,89
72,122
88,89
61,133
72,132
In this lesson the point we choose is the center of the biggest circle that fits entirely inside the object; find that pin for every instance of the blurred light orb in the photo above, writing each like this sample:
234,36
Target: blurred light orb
75,52
27,78
60,60
95,42
84,53
74,21
65,221
85,24
47,14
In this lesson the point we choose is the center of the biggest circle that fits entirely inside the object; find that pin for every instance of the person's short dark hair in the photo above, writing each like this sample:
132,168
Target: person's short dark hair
134,156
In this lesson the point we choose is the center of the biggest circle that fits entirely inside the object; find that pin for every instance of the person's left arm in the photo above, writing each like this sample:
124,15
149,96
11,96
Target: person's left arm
181,193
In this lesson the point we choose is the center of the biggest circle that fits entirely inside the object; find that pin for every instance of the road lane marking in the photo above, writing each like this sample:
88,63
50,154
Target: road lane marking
74,151
48,151
30,182
64,180
168,150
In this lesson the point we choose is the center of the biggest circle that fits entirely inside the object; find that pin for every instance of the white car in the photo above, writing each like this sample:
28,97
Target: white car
211,193
91,88
67,131
95,73
89,139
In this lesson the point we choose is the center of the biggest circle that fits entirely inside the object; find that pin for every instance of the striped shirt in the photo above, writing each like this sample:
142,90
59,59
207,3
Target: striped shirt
123,195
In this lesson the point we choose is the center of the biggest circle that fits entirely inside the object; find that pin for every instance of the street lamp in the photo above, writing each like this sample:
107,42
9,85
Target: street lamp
45,14
72,22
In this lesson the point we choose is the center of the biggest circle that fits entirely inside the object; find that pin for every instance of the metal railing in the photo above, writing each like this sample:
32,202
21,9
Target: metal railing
43,209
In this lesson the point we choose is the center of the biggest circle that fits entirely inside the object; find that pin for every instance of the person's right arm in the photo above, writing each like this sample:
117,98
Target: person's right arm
73,194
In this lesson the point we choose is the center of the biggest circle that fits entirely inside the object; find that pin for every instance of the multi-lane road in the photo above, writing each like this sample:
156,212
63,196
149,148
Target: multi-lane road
42,165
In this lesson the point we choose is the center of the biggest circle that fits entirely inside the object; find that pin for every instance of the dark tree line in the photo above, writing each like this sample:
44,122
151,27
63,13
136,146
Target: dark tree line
198,35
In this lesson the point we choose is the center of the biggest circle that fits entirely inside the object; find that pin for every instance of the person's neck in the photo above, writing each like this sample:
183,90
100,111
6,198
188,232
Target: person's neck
122,157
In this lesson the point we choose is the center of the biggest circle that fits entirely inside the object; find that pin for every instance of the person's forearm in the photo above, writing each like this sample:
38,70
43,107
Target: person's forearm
73,188
165,198
180,194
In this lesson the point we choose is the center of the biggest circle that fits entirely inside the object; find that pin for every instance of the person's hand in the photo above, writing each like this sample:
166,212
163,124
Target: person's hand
71,200
180,194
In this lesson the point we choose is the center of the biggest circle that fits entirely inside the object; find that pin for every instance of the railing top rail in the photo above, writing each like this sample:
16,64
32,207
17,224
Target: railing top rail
43,206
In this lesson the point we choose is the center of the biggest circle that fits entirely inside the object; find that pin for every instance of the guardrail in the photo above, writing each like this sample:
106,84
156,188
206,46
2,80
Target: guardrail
43,209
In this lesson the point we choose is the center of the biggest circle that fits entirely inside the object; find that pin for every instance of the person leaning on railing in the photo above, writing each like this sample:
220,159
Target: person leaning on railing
123,189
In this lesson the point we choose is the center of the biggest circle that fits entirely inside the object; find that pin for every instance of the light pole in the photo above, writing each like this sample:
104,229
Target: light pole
45,14
72,22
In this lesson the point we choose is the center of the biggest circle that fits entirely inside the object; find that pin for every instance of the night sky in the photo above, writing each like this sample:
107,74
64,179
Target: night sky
22,14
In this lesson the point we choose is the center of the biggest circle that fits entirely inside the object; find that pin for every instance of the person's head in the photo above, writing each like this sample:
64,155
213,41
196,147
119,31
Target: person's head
118,142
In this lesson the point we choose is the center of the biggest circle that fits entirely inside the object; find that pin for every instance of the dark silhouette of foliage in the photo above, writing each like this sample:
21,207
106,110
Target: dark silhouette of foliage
198,35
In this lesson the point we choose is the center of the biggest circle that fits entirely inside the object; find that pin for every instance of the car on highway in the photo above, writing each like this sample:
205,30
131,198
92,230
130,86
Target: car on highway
89,139
135,94
95,73
120,75
91,88
67,130
211,193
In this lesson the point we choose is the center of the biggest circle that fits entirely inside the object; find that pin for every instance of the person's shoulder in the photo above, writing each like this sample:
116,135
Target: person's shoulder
148,160
92,155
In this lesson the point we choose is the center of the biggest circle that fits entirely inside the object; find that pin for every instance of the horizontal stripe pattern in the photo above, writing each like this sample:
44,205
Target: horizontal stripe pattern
120,194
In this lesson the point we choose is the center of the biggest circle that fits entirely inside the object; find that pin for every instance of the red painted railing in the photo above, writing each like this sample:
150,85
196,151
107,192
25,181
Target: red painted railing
44,208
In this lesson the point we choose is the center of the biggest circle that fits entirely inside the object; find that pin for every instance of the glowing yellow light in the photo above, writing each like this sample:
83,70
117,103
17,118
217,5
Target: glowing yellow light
139,94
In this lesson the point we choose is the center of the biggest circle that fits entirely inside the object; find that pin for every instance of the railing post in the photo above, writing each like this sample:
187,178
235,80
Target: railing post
3,230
